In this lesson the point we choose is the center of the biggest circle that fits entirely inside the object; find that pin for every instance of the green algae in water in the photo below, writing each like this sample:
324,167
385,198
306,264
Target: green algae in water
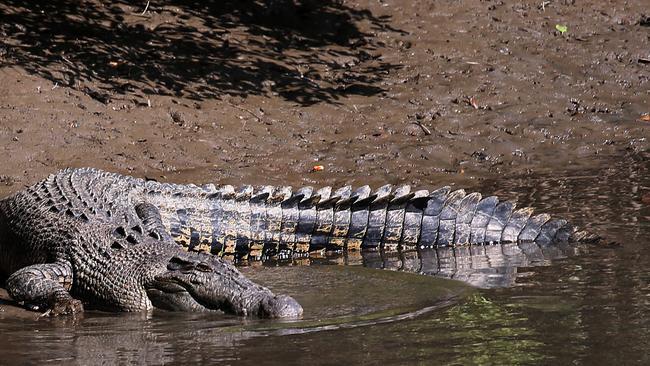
490,334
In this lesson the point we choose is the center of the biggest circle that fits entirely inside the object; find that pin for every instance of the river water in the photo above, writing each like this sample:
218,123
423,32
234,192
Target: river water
585,306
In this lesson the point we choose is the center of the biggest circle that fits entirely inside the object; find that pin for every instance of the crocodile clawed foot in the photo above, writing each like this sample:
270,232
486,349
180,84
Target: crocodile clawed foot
67,306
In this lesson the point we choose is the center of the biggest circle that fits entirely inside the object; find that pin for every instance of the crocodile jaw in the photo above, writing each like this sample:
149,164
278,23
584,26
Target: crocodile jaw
197,282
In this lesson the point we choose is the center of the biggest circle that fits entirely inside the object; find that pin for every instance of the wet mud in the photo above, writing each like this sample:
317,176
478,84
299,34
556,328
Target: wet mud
374,91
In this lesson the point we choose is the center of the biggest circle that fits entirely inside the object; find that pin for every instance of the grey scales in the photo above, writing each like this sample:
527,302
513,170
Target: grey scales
90,238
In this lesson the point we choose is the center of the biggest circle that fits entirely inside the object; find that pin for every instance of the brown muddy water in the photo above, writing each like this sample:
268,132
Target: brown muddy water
588,309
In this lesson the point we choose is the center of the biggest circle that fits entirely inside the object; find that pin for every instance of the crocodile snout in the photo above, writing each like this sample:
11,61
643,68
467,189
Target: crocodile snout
280,306
199,282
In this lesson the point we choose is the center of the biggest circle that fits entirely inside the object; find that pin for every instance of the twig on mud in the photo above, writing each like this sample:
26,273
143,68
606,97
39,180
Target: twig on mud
245,110
424,128
146,8
544,3
68,61
13,107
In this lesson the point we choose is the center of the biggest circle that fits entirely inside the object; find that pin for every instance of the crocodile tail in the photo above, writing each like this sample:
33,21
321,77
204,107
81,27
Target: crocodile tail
271,220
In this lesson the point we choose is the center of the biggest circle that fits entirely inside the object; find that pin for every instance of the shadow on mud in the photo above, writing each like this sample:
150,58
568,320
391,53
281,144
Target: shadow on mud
306,52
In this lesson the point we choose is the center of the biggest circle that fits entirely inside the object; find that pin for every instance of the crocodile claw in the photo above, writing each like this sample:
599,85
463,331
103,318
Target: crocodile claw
67,306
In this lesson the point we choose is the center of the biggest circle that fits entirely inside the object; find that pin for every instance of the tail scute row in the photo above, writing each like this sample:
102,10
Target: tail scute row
269,220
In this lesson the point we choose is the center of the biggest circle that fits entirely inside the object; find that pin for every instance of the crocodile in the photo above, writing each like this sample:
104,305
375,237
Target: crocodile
86,238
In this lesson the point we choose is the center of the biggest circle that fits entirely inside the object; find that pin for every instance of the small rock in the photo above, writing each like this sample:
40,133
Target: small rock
177,117
413,129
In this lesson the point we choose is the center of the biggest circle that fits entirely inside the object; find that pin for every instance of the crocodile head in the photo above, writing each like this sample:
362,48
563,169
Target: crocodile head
198,282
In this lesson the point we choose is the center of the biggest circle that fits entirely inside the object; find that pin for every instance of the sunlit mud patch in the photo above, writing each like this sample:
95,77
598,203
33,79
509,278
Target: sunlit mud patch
336,297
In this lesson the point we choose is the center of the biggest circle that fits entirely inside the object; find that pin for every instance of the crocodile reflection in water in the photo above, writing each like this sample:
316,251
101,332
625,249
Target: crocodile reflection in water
485,266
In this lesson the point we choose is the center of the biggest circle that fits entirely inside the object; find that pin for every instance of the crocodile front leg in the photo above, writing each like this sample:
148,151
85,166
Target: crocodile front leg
45,286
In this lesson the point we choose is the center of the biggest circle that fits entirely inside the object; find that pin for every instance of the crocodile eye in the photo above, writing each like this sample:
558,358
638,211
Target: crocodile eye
180,264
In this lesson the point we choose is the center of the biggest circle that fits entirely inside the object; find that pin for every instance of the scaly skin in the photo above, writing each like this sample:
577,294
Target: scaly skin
63,245
112,242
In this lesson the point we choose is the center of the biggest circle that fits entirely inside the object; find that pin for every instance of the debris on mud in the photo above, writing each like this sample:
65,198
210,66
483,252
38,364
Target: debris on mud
7,180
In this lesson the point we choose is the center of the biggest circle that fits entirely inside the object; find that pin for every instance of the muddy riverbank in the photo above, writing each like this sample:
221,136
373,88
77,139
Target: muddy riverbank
374,91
